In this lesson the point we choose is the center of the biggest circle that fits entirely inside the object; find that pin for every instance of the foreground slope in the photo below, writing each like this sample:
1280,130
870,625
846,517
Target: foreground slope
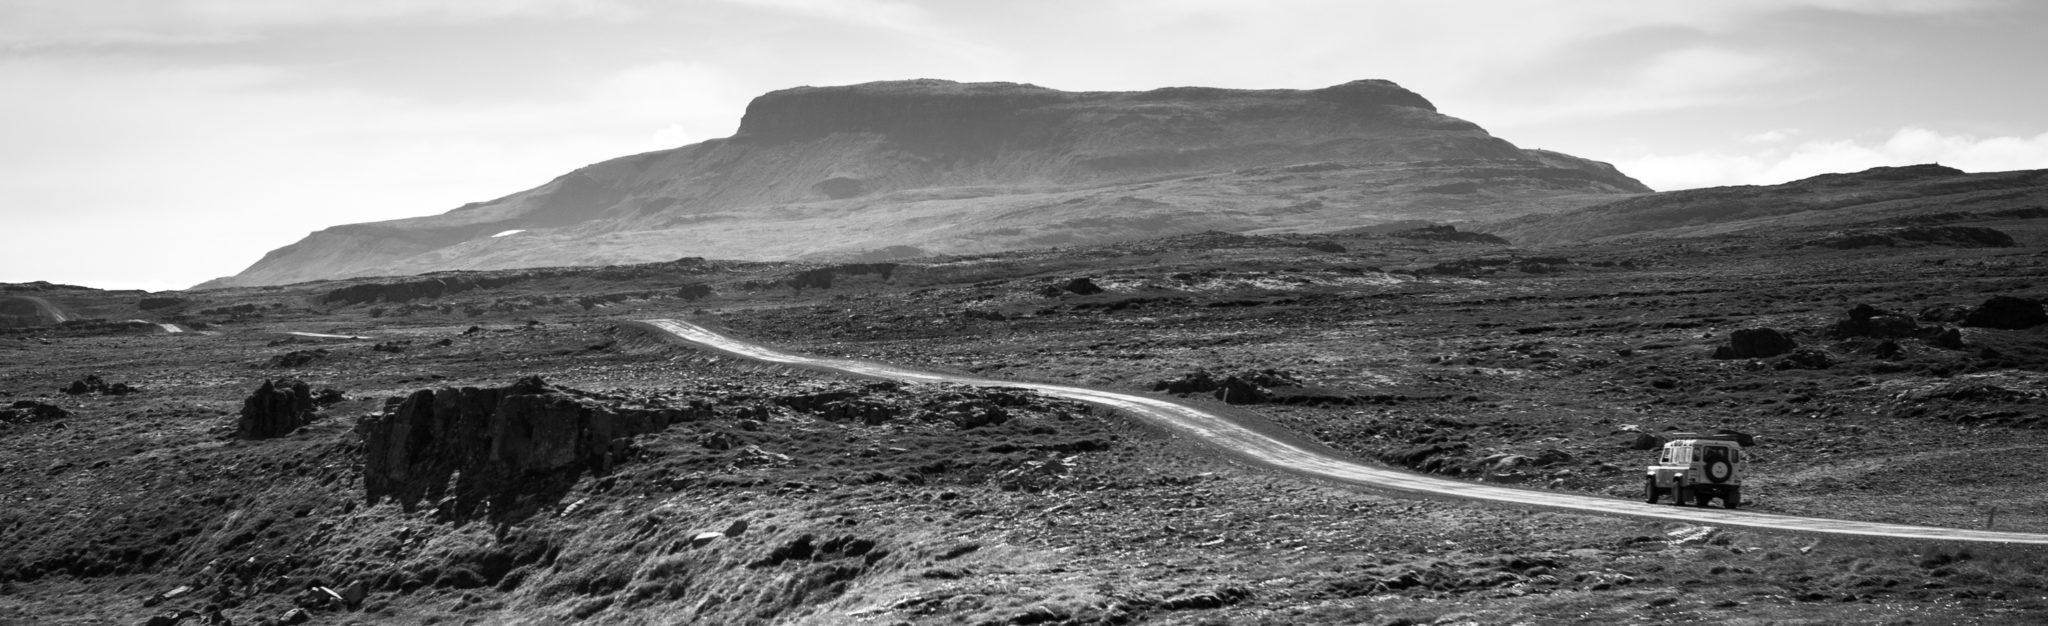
791,496
898,169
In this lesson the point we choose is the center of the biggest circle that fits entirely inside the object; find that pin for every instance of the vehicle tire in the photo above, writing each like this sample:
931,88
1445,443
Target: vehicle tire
1720,471
1681,495
1650,485
1732,498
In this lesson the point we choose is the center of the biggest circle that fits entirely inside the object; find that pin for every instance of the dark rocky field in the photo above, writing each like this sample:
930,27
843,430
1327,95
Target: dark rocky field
1899,382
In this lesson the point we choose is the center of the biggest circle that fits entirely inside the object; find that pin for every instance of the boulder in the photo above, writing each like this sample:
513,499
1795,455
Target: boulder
1946,313
1868,321
277,408
1946,337
1745,439
1235,390
1645,441
2007,312
1082,286
1751,343
1808,359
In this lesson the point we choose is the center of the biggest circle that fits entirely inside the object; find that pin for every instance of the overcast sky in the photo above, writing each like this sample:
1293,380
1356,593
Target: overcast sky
158,143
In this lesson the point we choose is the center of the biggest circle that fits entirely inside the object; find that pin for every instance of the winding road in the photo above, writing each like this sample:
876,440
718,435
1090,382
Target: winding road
1223,432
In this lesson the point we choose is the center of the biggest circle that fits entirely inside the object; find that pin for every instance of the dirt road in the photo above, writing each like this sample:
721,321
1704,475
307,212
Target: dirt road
1249,443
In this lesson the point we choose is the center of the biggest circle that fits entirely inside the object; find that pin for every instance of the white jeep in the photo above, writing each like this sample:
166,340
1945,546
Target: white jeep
1695,469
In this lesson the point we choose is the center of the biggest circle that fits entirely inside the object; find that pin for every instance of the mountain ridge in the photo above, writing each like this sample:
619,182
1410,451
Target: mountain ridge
943,167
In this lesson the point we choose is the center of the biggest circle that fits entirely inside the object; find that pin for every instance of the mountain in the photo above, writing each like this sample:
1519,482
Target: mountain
895,169
1895,197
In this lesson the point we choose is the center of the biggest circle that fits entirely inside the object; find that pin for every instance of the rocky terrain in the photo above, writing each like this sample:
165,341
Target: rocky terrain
495,447
893,170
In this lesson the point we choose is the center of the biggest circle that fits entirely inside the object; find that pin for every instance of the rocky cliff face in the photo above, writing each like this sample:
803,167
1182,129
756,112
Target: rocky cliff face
926,166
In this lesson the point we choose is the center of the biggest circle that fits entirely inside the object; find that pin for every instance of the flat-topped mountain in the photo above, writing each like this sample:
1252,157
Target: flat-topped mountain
896,169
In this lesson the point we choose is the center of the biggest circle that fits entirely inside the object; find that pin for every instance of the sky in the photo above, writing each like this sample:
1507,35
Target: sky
154,144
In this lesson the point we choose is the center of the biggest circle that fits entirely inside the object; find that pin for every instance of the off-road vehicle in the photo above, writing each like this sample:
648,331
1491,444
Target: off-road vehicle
1695,469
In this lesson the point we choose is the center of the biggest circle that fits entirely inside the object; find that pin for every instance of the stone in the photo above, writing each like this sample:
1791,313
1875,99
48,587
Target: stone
277,408
353,594
1868,321
1750,343
297,616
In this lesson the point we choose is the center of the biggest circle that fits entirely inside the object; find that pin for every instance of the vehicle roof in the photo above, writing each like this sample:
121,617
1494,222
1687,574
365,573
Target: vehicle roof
1688,439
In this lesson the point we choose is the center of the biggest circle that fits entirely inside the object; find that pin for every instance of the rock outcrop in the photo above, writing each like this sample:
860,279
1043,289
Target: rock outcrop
850,172
489,447
277,408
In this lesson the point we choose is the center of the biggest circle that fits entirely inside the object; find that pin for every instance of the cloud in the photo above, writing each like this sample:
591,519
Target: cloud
884,14
1776,135
1773,165
247,158
34,24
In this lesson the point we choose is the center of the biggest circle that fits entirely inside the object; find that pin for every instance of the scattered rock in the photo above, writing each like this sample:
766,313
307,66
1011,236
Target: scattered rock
93,384
1449,233
1751,343
276,409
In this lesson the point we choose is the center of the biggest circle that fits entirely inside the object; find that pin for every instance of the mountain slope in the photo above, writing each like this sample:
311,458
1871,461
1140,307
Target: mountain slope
1917,194
927,166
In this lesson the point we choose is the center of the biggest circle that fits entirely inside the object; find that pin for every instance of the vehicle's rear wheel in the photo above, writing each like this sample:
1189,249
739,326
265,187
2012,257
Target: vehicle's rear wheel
1650,485
1732,498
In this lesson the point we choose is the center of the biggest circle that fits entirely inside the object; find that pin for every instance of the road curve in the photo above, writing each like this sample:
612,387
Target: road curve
1221,431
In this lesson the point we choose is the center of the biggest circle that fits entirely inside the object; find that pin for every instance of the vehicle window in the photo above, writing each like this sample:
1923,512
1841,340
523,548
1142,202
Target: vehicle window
1664,459
1735,455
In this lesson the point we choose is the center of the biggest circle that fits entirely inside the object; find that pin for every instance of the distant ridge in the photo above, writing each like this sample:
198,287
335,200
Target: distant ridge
1925,194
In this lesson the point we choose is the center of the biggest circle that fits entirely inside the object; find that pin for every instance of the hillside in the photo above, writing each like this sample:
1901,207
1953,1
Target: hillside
1875,202
908,168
